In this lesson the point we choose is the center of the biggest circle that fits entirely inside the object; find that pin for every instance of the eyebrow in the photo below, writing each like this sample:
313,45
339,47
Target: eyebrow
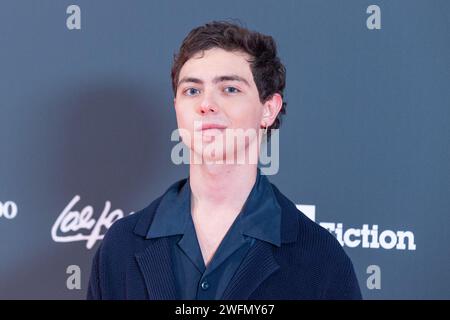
216,80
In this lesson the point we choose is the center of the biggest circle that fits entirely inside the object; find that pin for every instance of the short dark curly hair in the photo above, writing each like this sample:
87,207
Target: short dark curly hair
269,74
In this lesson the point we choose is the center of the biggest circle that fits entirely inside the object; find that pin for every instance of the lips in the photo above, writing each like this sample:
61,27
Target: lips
208,126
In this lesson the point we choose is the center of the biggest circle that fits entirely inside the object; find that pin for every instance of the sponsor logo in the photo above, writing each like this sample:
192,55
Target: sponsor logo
366,236
73,225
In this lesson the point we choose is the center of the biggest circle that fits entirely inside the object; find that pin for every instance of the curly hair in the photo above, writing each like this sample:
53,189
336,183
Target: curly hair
269,74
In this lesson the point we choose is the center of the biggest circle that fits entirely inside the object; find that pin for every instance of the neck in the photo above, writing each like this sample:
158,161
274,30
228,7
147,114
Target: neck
220,188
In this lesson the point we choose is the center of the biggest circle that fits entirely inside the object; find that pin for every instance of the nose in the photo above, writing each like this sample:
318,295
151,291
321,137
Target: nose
207,106
205,109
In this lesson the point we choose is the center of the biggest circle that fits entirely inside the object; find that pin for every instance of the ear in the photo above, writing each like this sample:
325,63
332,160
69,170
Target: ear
271,109
174,102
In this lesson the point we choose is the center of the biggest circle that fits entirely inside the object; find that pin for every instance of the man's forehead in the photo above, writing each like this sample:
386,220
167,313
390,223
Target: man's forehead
212,66
218,61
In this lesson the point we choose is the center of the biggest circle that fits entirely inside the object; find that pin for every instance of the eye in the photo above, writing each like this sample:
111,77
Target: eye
232,90
191,91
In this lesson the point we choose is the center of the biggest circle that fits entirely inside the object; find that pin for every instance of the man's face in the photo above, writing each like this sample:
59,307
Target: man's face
218,89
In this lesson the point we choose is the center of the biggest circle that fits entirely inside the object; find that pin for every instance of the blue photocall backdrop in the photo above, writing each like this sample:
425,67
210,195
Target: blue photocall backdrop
86,119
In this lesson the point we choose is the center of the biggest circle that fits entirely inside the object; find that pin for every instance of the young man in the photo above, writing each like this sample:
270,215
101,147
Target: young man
225,232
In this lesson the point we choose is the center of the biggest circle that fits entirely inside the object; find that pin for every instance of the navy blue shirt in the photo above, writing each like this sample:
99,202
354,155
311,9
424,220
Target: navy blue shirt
260,218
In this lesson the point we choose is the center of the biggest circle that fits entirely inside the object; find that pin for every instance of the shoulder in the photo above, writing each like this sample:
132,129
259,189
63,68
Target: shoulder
318,254
125,235
310,235
116,252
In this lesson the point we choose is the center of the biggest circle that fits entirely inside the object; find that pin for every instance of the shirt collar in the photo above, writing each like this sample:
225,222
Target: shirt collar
172,213
260,216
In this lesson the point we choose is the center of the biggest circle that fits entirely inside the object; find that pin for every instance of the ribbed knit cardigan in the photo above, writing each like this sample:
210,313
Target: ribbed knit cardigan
310,264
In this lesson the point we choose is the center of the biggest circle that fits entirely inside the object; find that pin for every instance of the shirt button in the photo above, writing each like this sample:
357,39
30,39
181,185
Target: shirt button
205,285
